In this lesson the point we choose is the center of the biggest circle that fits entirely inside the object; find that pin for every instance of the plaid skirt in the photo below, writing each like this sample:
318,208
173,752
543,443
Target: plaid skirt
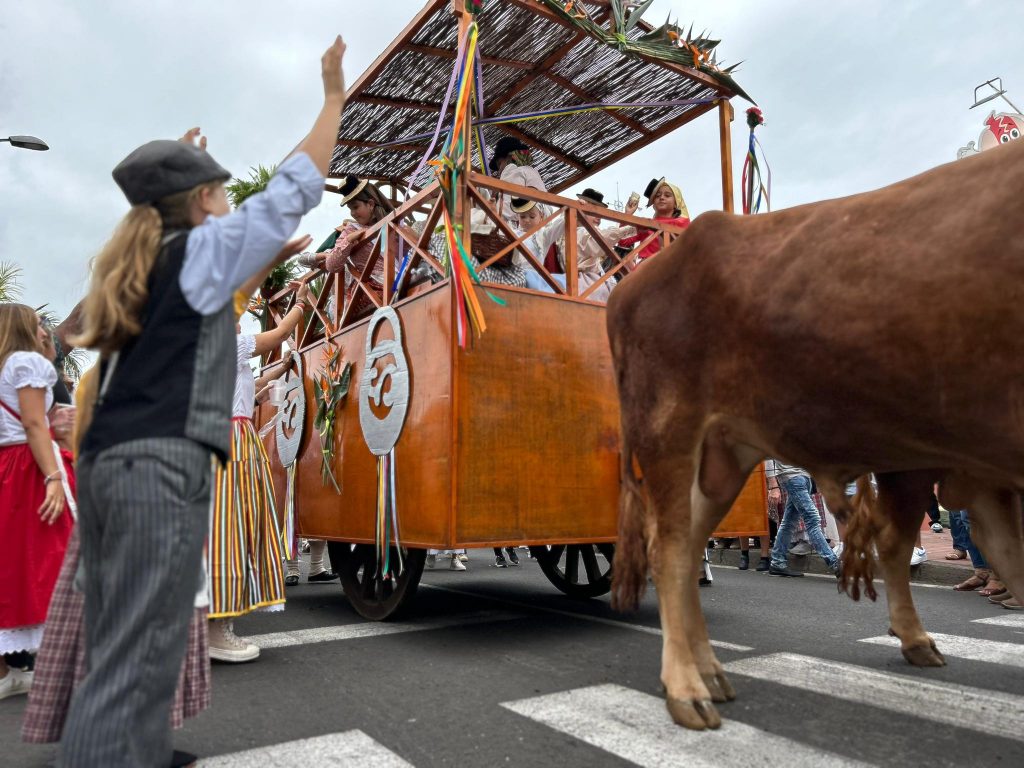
60,664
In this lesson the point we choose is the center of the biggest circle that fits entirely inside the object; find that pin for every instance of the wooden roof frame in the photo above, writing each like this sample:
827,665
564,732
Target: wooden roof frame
527,74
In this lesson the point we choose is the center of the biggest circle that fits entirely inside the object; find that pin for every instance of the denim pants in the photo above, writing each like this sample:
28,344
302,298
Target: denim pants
958,529
800,505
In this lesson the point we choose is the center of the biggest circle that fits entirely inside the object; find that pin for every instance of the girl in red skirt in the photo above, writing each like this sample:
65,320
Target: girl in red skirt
35,521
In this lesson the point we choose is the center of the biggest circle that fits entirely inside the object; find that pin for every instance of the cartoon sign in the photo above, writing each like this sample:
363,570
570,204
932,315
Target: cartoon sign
1000,128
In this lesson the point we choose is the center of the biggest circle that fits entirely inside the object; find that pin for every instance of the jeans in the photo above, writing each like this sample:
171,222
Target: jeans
536,282
959,530
977,559
799,504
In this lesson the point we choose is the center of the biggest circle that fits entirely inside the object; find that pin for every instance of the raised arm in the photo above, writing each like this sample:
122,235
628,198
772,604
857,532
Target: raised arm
224,252
273,339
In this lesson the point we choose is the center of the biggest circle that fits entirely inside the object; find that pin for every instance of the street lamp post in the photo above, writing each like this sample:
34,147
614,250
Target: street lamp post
27,142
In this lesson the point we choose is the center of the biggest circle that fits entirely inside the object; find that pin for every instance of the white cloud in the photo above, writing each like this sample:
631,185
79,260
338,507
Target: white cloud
856,95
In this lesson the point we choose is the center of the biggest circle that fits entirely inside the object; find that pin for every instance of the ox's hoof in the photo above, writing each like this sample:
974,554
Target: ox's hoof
695,715
924,655
719,687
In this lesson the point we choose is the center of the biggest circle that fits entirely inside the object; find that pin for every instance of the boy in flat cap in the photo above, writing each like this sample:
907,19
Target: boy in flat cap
160,312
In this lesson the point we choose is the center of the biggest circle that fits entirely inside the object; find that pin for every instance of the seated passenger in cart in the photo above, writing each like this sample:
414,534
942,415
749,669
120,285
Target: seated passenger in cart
669,208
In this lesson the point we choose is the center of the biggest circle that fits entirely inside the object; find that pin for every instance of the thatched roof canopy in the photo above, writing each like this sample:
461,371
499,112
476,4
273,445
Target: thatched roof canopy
532,60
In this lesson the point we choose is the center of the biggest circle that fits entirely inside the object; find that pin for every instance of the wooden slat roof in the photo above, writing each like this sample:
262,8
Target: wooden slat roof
532,60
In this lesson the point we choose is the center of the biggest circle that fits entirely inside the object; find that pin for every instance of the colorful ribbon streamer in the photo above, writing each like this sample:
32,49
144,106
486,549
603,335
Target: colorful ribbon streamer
387,532
752,181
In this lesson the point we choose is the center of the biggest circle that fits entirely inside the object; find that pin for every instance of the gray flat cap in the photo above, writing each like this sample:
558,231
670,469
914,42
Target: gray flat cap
161,168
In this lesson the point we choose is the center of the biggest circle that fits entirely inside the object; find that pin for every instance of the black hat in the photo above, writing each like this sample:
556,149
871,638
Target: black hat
521,205
589,195
161,168
506,146
652,187
350,187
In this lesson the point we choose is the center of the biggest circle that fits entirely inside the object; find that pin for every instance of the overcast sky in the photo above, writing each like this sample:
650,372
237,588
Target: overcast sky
856,94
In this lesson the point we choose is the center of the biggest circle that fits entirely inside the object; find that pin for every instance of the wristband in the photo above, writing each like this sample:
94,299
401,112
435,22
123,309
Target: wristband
51,477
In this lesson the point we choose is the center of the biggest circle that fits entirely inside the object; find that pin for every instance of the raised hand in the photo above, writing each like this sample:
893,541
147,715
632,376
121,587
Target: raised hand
292,248
190,138
331,71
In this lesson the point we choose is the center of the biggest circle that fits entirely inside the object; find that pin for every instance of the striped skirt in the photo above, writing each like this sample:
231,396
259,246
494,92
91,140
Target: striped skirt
246,571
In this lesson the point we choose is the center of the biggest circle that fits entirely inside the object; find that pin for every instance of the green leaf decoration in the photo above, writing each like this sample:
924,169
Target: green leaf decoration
10,286
239,190
636,14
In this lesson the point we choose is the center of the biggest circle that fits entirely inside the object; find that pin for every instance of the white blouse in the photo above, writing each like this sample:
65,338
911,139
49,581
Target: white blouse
244,402
22,369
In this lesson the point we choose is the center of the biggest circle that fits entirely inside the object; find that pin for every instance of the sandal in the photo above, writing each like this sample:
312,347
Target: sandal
957,554
994,587
1013,604
975,581
1001,598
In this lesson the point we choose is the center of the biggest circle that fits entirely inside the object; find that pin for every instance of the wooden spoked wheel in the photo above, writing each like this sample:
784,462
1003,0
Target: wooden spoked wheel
578,570
373,597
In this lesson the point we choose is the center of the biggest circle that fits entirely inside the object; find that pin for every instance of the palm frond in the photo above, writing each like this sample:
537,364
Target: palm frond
10,288
239,190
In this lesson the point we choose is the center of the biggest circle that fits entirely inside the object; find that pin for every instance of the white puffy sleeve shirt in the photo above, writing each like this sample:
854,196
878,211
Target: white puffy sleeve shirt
244,402
22,369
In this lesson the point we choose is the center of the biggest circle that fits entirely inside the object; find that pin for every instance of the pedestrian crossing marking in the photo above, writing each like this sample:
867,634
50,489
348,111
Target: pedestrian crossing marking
984,711
970,648
636,727
333,750
373,629
1012,620
582,616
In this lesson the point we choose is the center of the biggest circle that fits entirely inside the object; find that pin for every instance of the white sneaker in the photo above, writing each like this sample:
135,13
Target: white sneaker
15,682
838,549
463,557
919,556
936,527
225,645
431,561
457,564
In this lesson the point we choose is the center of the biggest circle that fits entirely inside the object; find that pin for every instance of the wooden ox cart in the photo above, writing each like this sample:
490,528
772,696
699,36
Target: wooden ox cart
512,438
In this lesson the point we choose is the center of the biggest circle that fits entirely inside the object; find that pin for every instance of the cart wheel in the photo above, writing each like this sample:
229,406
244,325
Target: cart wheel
372,597
562,565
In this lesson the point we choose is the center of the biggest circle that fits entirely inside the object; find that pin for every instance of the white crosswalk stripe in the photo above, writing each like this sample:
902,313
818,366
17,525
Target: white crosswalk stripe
1012,620
335,750
970,648
992,712
636,727
373,629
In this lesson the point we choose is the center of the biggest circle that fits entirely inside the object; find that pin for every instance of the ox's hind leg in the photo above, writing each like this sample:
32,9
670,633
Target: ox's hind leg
898,512
673,567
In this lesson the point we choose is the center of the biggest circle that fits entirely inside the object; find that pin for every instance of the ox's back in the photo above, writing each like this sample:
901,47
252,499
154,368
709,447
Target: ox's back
890,321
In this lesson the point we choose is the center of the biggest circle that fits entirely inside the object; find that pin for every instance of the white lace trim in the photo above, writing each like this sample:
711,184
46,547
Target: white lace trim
271,608
21,639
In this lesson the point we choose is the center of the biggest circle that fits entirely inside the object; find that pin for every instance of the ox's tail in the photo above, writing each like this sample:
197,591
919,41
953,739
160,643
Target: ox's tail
629,576
859,547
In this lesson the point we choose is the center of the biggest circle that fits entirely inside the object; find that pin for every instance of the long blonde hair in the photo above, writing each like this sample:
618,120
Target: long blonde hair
19,330
112,310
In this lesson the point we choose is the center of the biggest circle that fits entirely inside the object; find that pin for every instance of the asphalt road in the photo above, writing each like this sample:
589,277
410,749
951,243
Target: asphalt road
495,667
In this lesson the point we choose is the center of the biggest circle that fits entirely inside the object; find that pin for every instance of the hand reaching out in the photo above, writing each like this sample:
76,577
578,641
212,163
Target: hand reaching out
292,248
331,71
190,138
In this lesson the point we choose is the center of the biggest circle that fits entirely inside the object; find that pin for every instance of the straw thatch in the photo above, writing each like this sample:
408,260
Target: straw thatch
400,95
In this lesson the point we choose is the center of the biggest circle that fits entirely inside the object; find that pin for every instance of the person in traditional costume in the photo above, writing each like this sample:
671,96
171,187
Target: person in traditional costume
60,663
246,548
511,161
36,480
669,208
348,250
160,312
589,252
529,214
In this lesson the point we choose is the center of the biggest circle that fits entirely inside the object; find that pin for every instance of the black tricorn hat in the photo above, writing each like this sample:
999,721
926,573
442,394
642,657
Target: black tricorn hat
163,167
652,187
506,146
521,205
589,195
350,187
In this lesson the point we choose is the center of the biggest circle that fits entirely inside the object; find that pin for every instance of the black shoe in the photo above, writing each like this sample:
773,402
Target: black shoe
322,576
744,560
764,565
513,557
291,580
182,759
787,571
499,561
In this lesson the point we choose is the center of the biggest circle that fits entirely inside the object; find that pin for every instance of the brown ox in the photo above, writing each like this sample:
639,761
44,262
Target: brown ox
878,333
